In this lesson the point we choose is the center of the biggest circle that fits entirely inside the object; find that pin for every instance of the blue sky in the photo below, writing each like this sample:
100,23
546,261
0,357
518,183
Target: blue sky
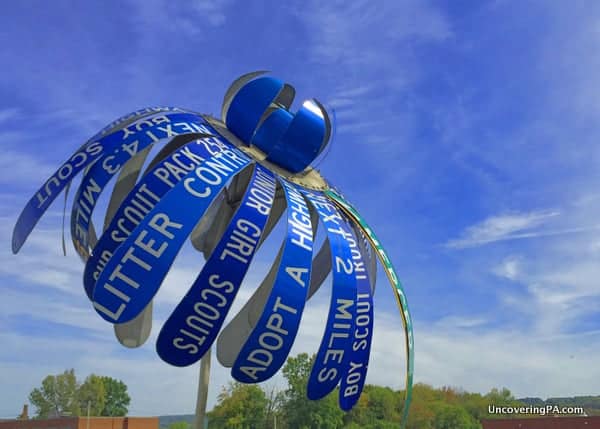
467,135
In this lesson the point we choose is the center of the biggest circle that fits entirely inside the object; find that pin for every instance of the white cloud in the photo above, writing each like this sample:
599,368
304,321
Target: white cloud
339,33
189,20
451,351
510,268
526,363
41,262
561,294
529,365
18,168
555,285
211,10
503,227
77,313
366,52
40,265
460,322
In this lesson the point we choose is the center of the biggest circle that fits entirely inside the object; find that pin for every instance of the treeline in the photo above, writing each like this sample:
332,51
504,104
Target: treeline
242,406
591,404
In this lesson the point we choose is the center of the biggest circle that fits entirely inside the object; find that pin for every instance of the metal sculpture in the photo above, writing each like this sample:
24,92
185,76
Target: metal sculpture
225,184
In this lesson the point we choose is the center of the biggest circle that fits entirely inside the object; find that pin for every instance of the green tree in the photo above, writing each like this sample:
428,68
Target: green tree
117,399
56,396
421,414
275,400
475,404
449,416
91,394
500,398
377,405
179,425
62,395
384,404
299,411
444,408
239,406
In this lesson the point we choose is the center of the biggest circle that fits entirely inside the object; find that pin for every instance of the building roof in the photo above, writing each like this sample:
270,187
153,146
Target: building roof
83,423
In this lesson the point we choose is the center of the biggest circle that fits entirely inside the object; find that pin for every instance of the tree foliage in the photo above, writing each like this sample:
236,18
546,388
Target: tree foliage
62,394
91,396
179,425
117,399
56,396
240,406
300,412
378,407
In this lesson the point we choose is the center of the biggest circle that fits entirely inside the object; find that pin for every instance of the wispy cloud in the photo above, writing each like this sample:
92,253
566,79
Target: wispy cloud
191,19
510,268
526,363
8,113
505,227
558,296
18,168
366,52
461,322
95,349
455,356
339,33
42,252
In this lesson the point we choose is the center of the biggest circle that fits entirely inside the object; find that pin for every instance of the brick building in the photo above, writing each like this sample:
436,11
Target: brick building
543,423
82,423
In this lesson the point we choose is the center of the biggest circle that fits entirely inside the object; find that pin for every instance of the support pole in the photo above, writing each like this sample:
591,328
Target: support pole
88,414
202,390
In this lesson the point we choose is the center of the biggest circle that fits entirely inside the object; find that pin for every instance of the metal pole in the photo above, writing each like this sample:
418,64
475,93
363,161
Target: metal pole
88,414
202,390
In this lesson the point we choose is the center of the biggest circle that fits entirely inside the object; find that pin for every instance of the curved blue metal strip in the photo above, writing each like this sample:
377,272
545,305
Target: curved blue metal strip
396,285
292,141
301,143
137,137
134,116
249,105
143,198
337,339
356,363
196,321
272,130
233,89
269,343
39,203
110,128
135,272
327,125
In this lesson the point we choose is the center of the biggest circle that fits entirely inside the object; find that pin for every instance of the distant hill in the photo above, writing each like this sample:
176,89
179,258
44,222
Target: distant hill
165,421
591,404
